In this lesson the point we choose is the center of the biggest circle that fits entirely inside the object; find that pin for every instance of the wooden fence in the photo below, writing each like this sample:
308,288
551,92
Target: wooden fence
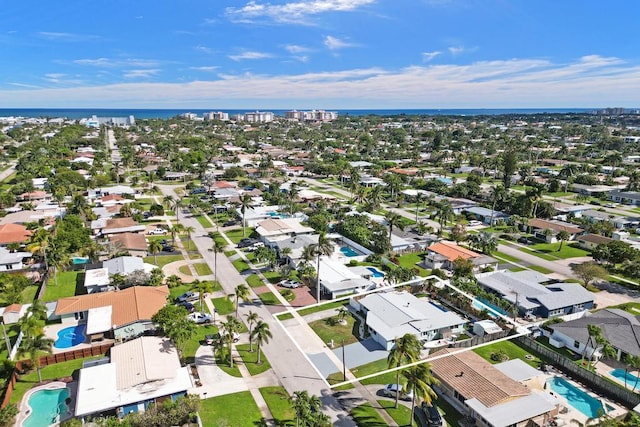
594,381
97,350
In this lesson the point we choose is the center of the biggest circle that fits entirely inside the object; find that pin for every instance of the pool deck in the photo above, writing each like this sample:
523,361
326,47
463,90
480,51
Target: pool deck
51,331
25,409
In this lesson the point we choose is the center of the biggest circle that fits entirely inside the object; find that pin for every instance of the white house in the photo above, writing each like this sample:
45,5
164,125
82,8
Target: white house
10,261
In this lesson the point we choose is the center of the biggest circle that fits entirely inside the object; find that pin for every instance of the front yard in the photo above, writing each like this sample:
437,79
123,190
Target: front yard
552,252
236,409
331,331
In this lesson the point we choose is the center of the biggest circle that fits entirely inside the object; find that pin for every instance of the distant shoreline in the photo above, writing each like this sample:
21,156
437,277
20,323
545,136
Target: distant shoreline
148,113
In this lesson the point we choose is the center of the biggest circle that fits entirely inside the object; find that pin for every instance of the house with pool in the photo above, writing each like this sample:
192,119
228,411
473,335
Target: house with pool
119,315
138,373
443,254
392,314
535,294
274,228
506,394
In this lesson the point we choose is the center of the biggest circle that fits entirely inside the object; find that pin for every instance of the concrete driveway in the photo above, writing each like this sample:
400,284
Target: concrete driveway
361,353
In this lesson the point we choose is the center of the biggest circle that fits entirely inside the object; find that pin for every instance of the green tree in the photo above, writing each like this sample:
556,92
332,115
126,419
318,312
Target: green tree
189,229
261,335
241,293
419,380
33,346
245,203
173,322
252,318
563,236
216,248
230,328
155,247
203,288
444,213
509,163
406,350
323,247
394,220
588,272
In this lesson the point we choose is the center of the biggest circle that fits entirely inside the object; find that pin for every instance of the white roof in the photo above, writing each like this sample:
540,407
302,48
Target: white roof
332,271
140,369
516,410
96,277
517,370
99,320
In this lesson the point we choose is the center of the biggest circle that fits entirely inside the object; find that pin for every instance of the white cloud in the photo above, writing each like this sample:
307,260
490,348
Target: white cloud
294,48
590,81
206,68
117,63
456,50
250,55
203,49
67,37
428,56
144,73
296,12
334,43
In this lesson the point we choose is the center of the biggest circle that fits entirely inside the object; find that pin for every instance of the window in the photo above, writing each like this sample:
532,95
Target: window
9,266
79,315
576,344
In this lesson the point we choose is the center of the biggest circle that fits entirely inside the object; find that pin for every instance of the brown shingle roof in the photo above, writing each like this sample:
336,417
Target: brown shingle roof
120,222
129,241
472,376
128,306
595,238
541,223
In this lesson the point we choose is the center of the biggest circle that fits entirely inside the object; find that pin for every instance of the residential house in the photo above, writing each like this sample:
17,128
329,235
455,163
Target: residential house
125,265
590,241
336,279
134,243
107,226
129,315
286,227
443,254
620,328
12,261
14,233
547,230
526,290
97,280
487,216
493,395
296,244
625,197
138,373
390,315
12,314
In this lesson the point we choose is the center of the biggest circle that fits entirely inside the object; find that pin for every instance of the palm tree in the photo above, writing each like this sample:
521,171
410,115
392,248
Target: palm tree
342,315
323,247
393,220
563,235
167,201
230,327
419,381
176,206
154,248
32,347
444,213
261,335
189,229
203,288
251,319
494,195
419,200
242,293
175,230
245,203
595,333
406,350
39,243
216,248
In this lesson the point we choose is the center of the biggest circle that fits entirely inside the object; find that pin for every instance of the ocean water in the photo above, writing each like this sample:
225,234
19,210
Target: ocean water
79,113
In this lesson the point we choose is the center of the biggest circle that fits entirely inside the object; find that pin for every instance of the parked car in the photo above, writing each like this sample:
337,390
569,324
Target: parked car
474,223
390,390
255,246
523,240
230,223
199,317
167,248
291,284
428,415
245,243
188,296
211,339
187,305
160,231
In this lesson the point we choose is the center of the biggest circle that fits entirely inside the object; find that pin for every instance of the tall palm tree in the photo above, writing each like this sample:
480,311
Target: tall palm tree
419,199
323,247
419,381
216,248
242,293
393,220
444,213
177,205
406,350
595,333
189,229
203,288
230,328
261,335
167,201
175,230
154,248
39,243
563,236
245,203
252,318
32,347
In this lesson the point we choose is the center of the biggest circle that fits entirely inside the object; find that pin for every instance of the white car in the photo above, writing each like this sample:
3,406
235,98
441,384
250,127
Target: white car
474,223
160,231
390,390
199,317
291,284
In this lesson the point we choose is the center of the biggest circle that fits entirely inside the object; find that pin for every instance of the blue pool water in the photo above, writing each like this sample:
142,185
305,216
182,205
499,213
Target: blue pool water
492,309
620,374
71,336
46,405
376,272
444,180
347,251
275,214
578,398
79,260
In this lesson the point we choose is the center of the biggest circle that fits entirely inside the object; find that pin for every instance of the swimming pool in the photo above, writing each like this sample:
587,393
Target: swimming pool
376,272
578,398
347,251
46,406
274,214
79,260
71,336
492,309
632,380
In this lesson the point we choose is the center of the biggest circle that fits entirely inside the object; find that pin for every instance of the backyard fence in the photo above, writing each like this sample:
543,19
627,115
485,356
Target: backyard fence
594,381
477,339
97,350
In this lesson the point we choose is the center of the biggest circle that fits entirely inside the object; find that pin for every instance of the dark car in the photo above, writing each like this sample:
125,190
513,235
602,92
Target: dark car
167,248
245,243
428,415
523,240
230,223
186,304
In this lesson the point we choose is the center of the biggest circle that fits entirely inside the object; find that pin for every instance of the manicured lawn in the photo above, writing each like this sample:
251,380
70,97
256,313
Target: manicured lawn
250,360
401,415
240,265
28,294
322,307
372,368
236,235
66,286
184,269
629,307
254,281
511,349
284,316
277,400
180,289
268,298
329,330
449,413
202,269
366,416
338,377
569,250
507,257
516,269
204,221
410,261
163,259
540,269
51,372
275,277
236,409
223,305
198,339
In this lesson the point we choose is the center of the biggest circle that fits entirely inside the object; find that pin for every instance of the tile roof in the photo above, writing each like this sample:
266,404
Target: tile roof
595,238
129,305
452,251
121,222
129,241
554,225
10,233
473,377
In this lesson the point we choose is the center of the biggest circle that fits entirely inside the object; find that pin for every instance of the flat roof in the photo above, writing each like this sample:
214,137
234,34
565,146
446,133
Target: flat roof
515,411
96,277
518,370
99,320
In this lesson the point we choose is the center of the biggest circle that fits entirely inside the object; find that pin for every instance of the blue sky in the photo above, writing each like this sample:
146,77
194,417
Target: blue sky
319,54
